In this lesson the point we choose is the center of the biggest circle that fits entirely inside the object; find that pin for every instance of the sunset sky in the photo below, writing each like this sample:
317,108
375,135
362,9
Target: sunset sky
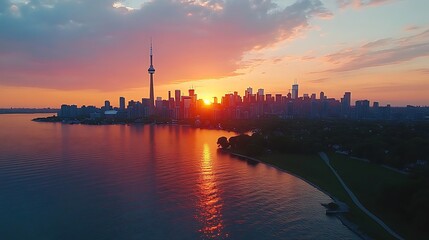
84,52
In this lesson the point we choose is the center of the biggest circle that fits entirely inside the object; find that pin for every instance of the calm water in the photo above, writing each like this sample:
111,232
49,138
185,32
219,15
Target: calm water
146,182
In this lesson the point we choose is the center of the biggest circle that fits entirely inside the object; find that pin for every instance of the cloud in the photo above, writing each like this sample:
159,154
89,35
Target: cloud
423,71
410,28
277,60
360,3
319,80
381,52
397,87
307,58
101,44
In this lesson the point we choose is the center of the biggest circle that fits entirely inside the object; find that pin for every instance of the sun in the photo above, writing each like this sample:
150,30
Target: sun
207,102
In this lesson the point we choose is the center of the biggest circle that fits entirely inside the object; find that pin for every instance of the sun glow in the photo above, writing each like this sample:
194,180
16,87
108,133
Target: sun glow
207,102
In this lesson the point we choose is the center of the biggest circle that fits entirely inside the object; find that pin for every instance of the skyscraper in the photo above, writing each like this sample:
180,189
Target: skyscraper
345,104
260,97
122,103
248,91
177,95
151,71
347,99
191,92
295,91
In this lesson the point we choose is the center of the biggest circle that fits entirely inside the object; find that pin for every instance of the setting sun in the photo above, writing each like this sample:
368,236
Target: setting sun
207,102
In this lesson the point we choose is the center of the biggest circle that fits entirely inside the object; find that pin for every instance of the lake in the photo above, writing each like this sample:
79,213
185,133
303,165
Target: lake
60,181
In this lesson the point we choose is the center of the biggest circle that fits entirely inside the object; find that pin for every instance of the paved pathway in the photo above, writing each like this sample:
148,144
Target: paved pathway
356,201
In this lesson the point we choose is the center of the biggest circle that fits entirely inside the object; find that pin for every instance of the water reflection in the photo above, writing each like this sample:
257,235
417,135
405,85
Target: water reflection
209,208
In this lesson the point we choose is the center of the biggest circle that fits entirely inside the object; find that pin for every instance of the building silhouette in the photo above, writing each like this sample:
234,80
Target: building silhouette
346,104
122,103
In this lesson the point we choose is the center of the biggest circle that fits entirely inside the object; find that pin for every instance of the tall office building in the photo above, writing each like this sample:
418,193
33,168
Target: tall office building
362,109
191,92
247,94
295,91
347,99
122,103
151,71
278,98
260,96
107,105
158,103
345,104
177,97
177,104
249,91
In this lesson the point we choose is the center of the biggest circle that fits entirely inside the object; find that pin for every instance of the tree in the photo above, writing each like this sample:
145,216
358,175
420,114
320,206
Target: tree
223,142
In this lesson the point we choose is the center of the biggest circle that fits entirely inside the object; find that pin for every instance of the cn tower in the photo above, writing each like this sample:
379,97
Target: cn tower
151,71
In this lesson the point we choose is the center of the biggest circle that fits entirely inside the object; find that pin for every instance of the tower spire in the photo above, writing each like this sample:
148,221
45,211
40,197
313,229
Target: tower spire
151,71
151,51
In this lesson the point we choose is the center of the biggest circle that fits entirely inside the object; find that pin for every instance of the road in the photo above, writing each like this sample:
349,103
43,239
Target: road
355,199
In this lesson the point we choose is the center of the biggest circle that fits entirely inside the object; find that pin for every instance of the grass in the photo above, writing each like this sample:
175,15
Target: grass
367,181
313,169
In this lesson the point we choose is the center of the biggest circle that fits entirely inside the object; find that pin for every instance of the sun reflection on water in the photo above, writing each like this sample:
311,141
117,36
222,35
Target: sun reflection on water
209,209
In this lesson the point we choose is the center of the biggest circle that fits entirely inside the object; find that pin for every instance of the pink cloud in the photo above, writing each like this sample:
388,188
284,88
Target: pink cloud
380,53
360,3
92,45
410,28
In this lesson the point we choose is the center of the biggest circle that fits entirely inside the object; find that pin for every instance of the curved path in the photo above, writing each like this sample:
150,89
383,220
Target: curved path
356,201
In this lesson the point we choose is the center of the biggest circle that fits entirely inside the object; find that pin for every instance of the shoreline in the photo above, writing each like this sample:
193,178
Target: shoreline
350,225
101,123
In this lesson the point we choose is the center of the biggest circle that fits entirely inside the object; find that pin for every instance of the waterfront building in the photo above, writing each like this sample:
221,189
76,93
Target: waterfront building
68,111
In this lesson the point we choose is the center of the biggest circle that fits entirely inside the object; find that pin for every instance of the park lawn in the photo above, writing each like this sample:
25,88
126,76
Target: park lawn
367,181
313,169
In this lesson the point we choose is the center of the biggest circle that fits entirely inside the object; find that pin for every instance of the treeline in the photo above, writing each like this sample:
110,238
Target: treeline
249,145
393,143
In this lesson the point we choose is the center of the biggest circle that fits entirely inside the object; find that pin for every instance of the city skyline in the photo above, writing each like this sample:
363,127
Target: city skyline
50,54
233,106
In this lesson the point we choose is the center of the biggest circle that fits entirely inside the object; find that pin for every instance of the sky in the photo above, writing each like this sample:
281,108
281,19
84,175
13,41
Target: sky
84,52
